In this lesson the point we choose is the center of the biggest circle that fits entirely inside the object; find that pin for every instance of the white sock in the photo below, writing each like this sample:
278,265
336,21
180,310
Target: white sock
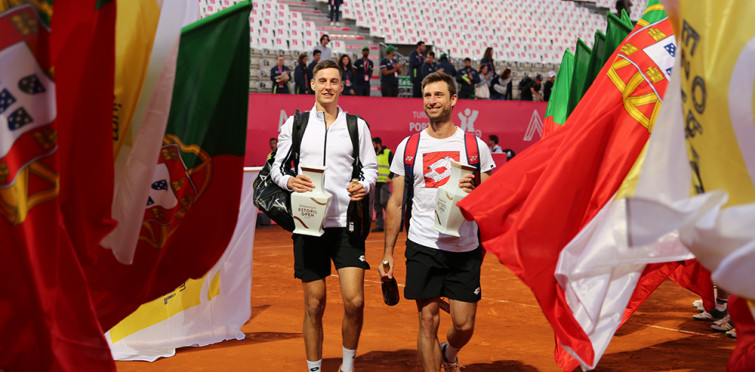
314,366
347,365
451,353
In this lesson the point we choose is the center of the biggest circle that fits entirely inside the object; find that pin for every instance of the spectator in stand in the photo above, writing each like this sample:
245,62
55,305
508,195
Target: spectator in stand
363,69
347,75
429,66
623,5
530,89
501,86
323,47
487,59
467,79
302,77
389,71
482,89
280,75
416,59
495,148
446,66
548,86
335,10
316,54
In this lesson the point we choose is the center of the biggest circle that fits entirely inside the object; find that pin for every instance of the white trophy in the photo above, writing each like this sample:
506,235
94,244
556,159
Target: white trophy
309,207
448,217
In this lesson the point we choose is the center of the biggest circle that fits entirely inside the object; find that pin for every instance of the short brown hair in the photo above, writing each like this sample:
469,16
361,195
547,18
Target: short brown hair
440,76
322,65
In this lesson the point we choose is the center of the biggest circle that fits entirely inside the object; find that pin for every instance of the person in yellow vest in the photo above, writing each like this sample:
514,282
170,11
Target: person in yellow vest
273,147
383,185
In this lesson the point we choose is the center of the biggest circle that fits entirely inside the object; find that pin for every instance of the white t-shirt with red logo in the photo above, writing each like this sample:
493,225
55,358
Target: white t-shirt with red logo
432,169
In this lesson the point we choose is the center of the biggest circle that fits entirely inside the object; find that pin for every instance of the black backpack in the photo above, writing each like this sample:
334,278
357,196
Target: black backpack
274,201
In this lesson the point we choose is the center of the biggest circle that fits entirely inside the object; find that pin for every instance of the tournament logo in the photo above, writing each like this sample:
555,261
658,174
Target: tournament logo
437,167
182,175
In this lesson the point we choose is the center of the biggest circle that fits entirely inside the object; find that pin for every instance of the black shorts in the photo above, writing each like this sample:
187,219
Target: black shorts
432,273
312,254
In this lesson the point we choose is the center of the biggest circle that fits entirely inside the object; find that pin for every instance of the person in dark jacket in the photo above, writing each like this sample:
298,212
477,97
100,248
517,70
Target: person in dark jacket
429,66
316,54
446,66
390,69
363,67
467,79
301,76
280,75
531,89
347,75
548,86
501,86
416,59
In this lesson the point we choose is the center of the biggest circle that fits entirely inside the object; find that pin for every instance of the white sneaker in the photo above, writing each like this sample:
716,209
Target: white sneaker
723,325
445,365
332,23
698,304
732,333
712,315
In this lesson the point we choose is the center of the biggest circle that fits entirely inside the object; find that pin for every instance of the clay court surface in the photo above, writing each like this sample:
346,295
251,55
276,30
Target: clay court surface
511,333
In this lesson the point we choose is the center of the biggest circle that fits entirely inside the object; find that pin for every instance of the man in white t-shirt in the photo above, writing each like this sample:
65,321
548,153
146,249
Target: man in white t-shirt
437,265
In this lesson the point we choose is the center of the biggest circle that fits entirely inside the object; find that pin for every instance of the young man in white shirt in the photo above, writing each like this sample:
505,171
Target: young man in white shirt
437,265
326,141
493,144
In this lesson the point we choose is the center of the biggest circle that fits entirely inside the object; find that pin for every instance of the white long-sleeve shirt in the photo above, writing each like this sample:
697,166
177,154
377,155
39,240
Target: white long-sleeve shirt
330,147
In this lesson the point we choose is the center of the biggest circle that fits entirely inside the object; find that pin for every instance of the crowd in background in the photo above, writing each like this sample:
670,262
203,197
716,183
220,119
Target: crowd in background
482,82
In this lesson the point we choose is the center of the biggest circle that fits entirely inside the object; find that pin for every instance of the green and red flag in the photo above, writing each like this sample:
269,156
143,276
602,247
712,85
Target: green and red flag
191,210
578,81
556,113
52,130
537,203
596,60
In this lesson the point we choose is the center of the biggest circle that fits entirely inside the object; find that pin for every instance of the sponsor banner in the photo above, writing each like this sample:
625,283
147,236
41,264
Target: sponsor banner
518,124
200,311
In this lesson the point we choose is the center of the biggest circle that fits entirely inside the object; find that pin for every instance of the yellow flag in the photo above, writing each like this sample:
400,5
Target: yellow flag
717,47
135,28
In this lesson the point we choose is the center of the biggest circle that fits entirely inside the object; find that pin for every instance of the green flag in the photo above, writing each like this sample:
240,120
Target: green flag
559,101
581,62
625,18
596,60
211,95
616,30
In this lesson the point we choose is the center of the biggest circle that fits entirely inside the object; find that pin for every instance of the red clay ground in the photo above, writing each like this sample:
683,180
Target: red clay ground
511,333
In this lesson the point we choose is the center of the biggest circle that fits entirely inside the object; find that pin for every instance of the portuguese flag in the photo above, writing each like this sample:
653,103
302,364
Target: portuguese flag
190,213
55,166
537,203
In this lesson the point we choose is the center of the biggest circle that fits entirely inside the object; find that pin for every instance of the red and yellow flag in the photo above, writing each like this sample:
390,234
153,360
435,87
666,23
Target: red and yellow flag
537,203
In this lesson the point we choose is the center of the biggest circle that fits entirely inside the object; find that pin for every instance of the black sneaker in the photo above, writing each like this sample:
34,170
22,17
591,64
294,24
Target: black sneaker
377,229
